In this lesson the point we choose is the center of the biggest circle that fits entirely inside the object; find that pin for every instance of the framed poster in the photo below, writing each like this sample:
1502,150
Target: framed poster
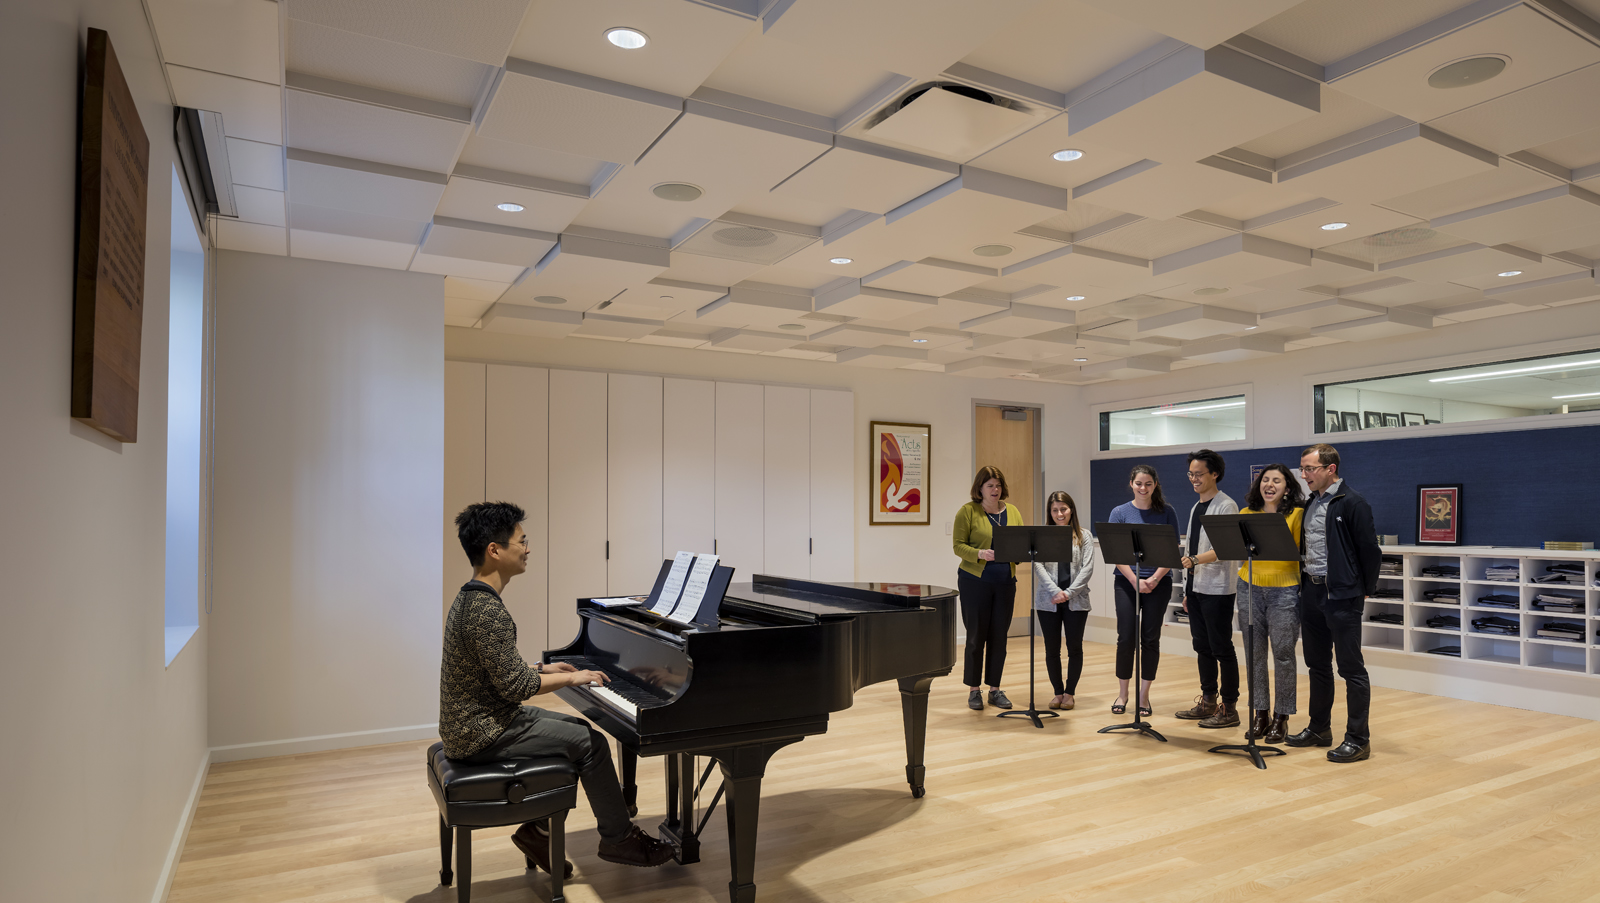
1439,514
1352,421
899,462
1371,420
1391,420
1333,422
1409,419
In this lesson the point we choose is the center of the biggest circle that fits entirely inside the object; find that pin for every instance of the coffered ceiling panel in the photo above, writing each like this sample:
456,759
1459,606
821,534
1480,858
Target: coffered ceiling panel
576,114
1320,313
346,128
1227,349
930,276
1399,292
339,182
753,306
622,329
365,60
493,243
1391,164
258,205
461,268
233,37
1307,229
1525,272
1128,367
1505,182
1202,25
255,164
1018,320
857,336
661,299
1233,259
917,38
1541,113
544,322
1030,156
475,29
538,162
480,200
1197,321
1463,264
350,249
986,367
257,239
1030,46
1082,270
1382,326
330,220
1165,190
588,271
852,299
976,208
1563,209
1549,290
886,357
865,176
1326,269
250,110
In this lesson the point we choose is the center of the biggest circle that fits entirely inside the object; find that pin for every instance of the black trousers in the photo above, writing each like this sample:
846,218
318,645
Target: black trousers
537,733
986,613
1152,610
1052,624
1330,631
1211,625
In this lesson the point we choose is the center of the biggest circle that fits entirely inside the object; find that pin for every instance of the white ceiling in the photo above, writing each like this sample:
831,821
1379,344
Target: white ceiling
1214,148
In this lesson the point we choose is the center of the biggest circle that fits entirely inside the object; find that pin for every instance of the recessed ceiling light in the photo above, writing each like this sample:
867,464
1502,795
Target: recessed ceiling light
1067,156
1248,328
1080,360
677,191
1462,73
1581,395
790,326
919,341
1333,227
1074,297
549,299
1509,273
993,250
627,38
509,207
841,260
1213,290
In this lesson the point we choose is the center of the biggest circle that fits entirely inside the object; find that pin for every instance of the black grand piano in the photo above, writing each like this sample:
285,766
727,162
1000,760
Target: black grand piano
763,672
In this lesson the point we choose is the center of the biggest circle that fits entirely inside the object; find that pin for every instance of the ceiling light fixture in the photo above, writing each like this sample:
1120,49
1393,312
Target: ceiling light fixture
1248,328
1067,156
549,299
1509,273
1464,73
790,326
1074,297
1495,374
1203,407
627,38
1580,395
919,341
1079,360
841,261
1333,227
993,250
509,207
677,191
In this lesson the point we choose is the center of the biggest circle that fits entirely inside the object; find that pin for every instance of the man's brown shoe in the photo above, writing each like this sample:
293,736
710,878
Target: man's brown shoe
638,848
535,844
1226,715
1204,707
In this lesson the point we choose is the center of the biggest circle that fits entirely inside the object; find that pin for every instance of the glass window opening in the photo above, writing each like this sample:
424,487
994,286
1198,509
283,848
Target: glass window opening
1206,421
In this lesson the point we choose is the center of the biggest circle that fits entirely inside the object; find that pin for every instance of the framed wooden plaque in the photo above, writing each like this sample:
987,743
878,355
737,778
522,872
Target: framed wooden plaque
108,298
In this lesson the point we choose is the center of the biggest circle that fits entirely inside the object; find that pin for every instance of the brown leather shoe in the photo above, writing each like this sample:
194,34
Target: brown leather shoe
638,848
1204,707
1226,715
535,844
1279,731
1259,720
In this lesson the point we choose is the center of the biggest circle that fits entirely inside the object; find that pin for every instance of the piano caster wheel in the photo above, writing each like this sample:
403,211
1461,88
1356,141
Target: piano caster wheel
918,791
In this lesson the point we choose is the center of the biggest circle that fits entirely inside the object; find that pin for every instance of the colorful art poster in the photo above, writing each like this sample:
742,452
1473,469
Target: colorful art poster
900,456
1439,515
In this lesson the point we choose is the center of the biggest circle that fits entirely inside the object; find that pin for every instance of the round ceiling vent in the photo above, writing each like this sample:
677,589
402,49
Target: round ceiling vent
549,299
1465,73
963,90
993,250
1213,290
1397,238
744,237
790,326
677,191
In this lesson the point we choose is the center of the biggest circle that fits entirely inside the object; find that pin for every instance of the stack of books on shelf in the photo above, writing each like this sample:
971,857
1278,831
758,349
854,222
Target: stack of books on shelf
1496,624
1546,601
1561,630
1499,600
1551,545
1444,622
1440,571
1392,566
1501,573
1387,618
1446,650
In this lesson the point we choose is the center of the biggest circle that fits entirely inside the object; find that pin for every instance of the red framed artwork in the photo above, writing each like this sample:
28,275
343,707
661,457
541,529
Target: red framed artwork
1439,514
900,457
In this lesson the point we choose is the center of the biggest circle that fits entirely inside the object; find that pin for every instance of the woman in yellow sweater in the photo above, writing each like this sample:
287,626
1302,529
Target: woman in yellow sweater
988,587
1271,595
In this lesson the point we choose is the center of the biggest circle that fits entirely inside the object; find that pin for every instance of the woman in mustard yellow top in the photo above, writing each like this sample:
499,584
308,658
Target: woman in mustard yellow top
988,587
1271,595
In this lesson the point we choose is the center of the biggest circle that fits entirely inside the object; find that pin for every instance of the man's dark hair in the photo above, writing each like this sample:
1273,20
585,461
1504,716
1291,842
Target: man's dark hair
1210,459
1327,455
484,522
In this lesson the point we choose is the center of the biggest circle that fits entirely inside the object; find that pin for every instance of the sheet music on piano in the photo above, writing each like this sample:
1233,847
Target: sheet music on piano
694,589
674,586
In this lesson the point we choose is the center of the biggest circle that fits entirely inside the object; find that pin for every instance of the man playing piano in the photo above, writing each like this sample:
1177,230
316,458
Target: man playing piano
483,681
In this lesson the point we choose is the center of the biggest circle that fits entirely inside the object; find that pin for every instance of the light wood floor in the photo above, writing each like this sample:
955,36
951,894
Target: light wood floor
1460,802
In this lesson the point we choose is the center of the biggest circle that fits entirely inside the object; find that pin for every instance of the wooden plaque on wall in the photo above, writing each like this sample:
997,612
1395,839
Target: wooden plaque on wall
108,299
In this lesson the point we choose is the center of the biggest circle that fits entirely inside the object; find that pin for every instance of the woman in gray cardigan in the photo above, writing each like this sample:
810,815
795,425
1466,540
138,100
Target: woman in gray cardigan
1061,600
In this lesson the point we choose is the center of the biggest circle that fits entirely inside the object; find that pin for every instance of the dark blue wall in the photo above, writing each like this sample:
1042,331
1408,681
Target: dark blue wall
1518,488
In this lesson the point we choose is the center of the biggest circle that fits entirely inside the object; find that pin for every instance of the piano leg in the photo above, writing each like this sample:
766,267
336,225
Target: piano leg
678,829
914,709
742,770
630,778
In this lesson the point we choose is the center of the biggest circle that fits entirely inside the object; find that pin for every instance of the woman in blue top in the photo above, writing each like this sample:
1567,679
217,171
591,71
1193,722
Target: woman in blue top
1153,585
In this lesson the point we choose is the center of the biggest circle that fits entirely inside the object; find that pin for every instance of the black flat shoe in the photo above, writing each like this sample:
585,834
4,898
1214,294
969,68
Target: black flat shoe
1350,752
997,698
975,701
1146,711
1309,737
1119,708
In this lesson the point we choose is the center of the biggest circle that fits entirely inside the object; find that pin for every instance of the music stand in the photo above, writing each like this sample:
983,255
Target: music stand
1151,545
1248,537
1028,544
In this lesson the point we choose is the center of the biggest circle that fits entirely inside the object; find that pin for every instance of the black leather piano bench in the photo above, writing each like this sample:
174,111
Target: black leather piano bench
496,794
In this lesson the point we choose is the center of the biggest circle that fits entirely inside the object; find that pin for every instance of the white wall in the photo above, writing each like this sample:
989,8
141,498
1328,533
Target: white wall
329,493
104,744
898,553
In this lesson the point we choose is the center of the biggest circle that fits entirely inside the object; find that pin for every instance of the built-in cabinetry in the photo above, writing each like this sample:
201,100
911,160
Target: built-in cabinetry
617,471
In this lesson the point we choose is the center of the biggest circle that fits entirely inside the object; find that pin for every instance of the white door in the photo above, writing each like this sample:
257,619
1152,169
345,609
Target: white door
833,459
739,464
517,470
577,514
688,466
463,464
787,482
633,483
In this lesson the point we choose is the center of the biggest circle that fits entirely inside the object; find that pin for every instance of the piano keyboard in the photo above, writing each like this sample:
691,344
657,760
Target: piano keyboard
621,695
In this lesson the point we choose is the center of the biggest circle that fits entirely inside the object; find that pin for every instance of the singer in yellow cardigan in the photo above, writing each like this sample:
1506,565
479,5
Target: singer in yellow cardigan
988,587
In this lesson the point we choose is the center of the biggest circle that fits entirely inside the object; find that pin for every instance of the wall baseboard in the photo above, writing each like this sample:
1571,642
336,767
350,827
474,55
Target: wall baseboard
181,836
267,748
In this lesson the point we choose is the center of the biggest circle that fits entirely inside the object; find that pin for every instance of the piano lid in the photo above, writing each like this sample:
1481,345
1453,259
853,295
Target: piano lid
820,599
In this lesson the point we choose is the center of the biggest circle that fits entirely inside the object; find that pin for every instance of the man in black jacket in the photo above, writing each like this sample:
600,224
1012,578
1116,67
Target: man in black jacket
1340,558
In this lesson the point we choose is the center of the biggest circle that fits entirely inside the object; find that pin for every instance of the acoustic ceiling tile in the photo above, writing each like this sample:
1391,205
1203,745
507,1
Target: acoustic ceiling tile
856,336
588,271
499,273
977,207
865,176
346,56
335,125
1382,326
1322,312
1129,367
1394,163
852,299
538,162
606,326
1198,321
233,37
1531,271
475,289
492,243
478,30
663,299
1481,309
1162,191
1541,113
930,276
575,114
948,312
755,340
935,337
1395,292
1306,229
1020,320
233,235
1326,269
1502,183
887,357
1030,156
1550,290
986,367
753,306
255,164
750,239
1053,343
1233,259
711,270
476,199
334,221
916,38
1563,210
543,322
462,311
1463,264
258,205
1082,270
1536,48
1202,25
1228,349
1193,103
362,187
673,338
350,249
250,110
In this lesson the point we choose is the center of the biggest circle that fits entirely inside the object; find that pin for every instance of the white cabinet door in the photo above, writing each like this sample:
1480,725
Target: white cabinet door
833,513
739,464
463,464
517,470
688,466
577,515
787,482
633,482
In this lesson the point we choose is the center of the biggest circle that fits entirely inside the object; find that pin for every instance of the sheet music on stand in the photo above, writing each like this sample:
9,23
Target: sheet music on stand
694,588
668,600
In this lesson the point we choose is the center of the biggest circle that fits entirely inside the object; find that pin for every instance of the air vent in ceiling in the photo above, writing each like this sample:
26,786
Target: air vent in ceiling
1397,238
750,239
952,120
744,236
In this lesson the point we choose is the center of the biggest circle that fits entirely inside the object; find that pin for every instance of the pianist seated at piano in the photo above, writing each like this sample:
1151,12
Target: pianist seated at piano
483,680
988,587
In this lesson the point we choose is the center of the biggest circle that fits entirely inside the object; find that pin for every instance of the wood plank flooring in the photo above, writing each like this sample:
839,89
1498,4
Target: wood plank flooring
1461,803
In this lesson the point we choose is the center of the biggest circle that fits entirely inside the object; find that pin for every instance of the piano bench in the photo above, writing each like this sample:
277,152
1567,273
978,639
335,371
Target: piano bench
495,794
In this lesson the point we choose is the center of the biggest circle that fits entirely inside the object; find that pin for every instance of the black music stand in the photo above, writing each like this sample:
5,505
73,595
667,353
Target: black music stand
1248,537
1152,545
1027,544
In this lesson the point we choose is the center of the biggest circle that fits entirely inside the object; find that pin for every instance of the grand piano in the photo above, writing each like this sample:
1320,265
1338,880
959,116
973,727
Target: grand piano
779,655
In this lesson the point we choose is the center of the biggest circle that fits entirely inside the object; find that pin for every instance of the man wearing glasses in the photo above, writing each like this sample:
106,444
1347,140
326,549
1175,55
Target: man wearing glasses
1340,558
1208,598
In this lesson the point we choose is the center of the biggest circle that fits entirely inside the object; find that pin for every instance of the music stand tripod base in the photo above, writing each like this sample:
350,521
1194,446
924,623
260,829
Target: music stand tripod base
1136,545
1019,544
1034,714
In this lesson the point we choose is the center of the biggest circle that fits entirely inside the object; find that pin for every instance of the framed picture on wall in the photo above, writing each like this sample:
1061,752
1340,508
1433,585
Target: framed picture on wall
1352,421
1391,420
1409,419
899,473
1333,422
1439,514
1371,420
